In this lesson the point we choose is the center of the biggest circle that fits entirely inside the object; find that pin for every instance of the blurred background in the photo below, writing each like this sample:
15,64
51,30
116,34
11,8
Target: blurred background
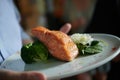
55,13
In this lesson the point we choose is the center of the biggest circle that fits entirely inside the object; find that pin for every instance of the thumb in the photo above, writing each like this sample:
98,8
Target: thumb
66,28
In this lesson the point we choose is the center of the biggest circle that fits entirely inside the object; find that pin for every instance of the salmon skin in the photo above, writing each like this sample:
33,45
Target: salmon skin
59,44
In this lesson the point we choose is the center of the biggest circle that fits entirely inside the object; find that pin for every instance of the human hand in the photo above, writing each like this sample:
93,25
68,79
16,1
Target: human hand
12,75
66,28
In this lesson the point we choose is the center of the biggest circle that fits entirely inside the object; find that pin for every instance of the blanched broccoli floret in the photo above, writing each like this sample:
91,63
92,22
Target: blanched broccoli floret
34,52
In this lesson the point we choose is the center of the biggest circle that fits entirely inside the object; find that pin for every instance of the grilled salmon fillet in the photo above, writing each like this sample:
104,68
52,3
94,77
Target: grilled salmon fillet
58,43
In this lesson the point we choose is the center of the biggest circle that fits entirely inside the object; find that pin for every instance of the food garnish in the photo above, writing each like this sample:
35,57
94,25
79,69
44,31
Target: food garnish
86,44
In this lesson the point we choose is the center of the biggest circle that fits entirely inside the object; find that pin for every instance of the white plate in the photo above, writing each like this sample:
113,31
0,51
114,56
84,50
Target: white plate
55,69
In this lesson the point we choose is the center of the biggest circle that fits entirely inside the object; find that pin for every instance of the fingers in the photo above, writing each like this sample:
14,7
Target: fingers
83,76
32,76
66,28
12,75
